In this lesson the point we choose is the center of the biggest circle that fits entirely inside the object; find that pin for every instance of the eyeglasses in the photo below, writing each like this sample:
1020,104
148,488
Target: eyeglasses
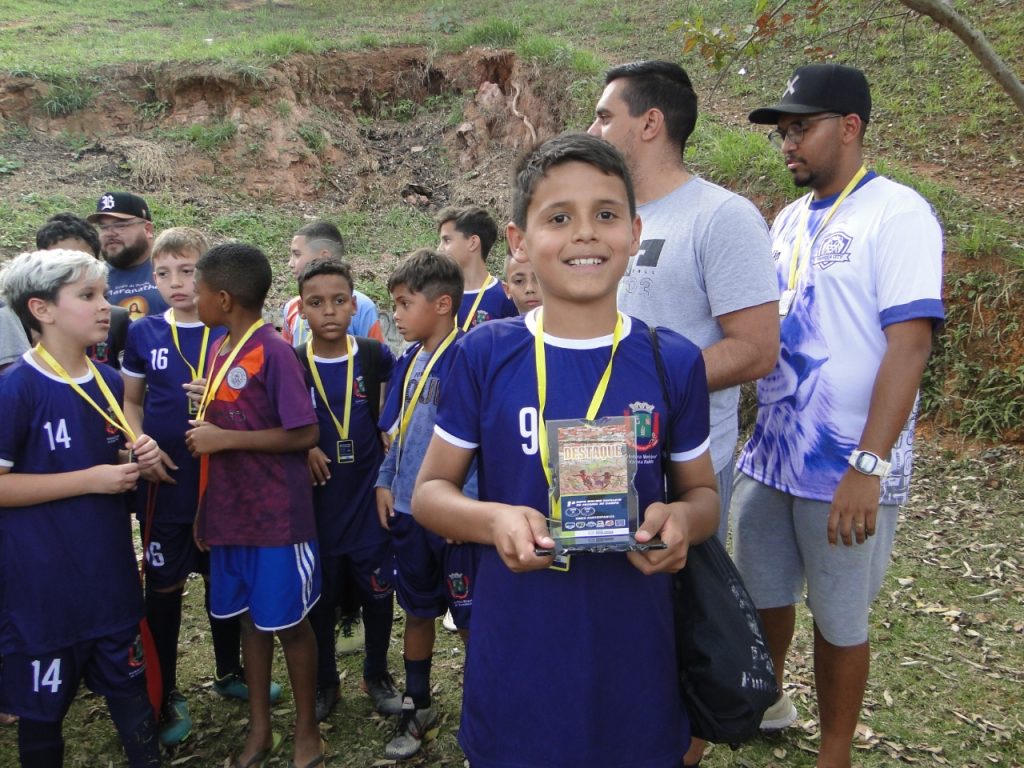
118,226
795,132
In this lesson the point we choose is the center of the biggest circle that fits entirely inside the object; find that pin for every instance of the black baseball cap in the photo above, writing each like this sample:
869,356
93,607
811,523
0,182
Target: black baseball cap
820,88
120,205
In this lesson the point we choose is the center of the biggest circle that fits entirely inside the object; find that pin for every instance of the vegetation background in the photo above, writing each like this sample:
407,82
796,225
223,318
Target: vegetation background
248,117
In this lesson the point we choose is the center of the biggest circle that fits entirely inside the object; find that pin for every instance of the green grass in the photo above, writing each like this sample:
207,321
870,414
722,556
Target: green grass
209,138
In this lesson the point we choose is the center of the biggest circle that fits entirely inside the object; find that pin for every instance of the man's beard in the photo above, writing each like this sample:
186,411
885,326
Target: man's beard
128,255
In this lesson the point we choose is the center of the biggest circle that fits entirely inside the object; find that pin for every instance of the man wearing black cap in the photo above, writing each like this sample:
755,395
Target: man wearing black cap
816,499
126,235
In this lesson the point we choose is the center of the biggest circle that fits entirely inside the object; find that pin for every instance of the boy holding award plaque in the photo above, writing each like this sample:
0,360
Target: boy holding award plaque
565,412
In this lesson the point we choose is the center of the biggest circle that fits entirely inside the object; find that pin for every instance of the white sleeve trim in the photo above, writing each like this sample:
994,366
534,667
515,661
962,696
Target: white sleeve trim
448,437
692,453
133,374
6,463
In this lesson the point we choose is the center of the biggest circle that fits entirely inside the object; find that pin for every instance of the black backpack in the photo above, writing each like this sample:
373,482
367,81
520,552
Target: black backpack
726,675
369,355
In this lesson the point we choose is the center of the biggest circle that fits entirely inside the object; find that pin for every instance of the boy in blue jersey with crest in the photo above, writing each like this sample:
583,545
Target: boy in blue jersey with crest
164,353
344,375
433,575
577,667
467,234
72,599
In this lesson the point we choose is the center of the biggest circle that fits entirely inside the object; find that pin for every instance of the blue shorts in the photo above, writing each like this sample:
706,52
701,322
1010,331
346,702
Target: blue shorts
780,544
172,555
433,575
42,686
372,569
276,585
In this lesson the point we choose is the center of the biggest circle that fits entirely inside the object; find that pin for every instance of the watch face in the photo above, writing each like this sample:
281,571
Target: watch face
866,463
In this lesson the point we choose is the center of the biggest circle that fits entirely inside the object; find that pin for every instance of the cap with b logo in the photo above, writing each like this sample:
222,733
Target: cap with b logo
120,205
820,88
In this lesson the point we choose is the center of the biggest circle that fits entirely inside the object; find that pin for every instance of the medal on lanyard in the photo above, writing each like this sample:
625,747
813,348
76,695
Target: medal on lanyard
796,270
345,450
409,406
213,382
193,407
555,512
117,419
479,297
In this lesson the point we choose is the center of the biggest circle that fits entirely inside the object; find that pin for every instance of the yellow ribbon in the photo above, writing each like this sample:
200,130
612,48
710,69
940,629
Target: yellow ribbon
408,408
794,272
118,420
491,280
218,379
202,348
341,426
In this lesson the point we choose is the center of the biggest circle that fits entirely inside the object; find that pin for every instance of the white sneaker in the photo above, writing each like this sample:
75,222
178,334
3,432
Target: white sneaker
448,622
779,715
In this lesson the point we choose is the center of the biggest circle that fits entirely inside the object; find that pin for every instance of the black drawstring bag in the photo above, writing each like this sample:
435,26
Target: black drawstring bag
726,675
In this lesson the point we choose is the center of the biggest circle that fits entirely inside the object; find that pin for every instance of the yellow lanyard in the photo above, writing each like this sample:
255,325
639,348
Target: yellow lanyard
202,348
211,388
118,421
479,297
542,387
409,407
342,426
794,265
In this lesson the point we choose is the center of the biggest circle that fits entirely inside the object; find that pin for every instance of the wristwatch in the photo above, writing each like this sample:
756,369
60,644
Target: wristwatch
868,463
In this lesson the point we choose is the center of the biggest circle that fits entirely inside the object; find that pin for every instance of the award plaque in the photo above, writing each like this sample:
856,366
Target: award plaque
593,502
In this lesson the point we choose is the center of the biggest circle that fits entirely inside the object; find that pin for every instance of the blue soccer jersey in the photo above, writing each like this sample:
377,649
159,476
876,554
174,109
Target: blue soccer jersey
587,656
493,305
346,512
67,567
151,354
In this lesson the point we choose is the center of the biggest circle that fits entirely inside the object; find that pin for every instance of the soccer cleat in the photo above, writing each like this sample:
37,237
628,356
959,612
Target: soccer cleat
415,727
350,637
233,686
175,723
779,715
326,699
448,622
386,698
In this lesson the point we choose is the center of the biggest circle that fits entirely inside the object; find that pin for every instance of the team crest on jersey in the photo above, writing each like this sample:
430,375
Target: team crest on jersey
379,582
113,433
834,249
458,586
237,377
136,654
99,352
359,390
646,426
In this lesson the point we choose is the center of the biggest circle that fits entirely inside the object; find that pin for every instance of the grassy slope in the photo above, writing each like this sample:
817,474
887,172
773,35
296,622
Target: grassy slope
948,667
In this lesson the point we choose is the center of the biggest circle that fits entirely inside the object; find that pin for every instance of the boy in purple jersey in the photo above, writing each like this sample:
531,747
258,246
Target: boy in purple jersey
72,600
467,234
164,353
433,576
344,467
571,668
253,429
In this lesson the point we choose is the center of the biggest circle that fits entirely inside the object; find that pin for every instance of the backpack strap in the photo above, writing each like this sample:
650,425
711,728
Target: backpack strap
370,353
666,450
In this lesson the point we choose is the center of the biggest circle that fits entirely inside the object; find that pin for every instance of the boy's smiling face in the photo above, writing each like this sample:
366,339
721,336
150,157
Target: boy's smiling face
579,235
328,305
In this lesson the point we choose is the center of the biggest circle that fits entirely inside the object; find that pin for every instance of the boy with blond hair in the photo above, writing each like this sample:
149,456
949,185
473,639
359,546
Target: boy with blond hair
72,599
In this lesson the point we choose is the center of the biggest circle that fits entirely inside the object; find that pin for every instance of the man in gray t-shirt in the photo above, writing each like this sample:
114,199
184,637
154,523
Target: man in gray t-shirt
704,268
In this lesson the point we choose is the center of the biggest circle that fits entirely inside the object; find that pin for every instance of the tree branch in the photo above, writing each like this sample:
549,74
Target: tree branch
946,16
